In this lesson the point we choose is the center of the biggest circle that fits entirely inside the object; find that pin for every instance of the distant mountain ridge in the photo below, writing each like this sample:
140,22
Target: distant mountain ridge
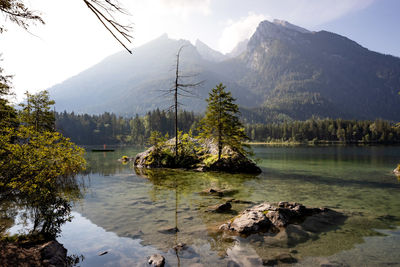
282,71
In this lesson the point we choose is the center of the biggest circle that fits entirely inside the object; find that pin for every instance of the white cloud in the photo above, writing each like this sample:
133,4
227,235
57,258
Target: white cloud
305,13
238,31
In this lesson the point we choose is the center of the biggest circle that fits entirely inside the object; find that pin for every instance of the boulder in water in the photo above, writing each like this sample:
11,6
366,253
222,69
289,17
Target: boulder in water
267,217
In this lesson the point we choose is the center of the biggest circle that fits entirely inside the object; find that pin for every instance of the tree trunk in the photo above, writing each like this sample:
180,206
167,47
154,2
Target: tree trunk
219,130
176,104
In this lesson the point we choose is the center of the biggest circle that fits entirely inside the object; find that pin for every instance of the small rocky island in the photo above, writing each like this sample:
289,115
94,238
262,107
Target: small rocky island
195,155
219,146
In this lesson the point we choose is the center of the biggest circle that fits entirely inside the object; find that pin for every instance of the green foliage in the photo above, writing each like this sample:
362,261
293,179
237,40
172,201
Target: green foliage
210,159
32,164
187,150
163,153
221,121
36,168
156,139
8,115
37,112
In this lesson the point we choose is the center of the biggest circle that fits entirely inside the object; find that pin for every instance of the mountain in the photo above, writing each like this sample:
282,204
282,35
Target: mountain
129,84
208,53
238,49
282,72
301,73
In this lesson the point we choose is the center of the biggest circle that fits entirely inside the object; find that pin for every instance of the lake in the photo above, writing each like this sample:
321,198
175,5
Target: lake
130,216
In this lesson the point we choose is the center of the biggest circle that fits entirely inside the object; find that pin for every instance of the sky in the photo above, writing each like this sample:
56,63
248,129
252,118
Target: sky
72,39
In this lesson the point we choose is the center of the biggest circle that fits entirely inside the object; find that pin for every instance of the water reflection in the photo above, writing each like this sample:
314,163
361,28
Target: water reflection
29,214
135,213
152,205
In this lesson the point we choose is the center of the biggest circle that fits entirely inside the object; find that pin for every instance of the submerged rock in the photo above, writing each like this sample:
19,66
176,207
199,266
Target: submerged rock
280,259
172,230
218,192
180,246
268,217
157,260
220,208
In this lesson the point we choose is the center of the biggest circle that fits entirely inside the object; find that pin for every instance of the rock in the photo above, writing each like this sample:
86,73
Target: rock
327,263
270,262
272,218
103,253
151,158
220,208
323,221
238,201
218,192
250,222
172,230
286,258
180,246
157,260
53,254
280,259
212,191
233,164
135,235
162,157
49,254
296,235
397,171
125,159
232,263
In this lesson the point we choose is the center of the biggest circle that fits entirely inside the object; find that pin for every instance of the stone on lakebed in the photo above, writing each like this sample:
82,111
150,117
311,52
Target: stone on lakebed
267,217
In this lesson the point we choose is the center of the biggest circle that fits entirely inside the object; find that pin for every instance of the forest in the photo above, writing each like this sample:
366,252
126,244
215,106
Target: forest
108,128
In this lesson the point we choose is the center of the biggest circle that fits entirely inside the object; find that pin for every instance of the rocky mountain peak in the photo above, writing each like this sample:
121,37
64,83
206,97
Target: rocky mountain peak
268,32
208,53
288,25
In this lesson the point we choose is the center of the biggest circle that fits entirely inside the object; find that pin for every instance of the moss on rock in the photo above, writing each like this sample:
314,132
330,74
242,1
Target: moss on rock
194,154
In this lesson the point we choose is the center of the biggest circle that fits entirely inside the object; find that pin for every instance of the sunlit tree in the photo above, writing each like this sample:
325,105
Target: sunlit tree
221,121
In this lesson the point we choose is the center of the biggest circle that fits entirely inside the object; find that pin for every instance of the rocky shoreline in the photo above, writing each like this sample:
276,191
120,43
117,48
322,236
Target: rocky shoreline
50,253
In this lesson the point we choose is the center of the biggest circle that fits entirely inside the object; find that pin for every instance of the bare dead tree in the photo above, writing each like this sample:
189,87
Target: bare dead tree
18,13
179,89
105,10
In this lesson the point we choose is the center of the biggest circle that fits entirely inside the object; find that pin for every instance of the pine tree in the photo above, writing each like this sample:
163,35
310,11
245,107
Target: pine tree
8,115
37,112
221,121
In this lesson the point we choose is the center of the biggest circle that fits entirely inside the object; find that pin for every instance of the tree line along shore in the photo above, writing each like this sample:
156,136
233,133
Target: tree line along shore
112,129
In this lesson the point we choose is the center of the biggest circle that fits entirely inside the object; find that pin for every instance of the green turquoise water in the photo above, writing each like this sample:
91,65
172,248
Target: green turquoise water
128,215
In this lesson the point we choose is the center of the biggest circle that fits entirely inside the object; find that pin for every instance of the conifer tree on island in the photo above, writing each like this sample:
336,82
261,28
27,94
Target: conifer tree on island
221,122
